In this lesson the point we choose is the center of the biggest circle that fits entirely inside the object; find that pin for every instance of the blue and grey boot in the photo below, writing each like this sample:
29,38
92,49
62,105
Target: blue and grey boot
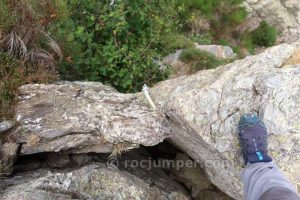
254,139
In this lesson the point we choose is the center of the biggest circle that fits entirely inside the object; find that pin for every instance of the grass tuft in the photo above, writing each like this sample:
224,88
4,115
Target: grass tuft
118,149
198,60
23,32
264,35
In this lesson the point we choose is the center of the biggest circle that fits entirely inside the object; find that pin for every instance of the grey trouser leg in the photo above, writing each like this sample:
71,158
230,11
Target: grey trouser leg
258,178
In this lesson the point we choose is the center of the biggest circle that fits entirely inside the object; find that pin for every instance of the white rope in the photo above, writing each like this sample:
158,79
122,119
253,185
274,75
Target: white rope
146,93
112,2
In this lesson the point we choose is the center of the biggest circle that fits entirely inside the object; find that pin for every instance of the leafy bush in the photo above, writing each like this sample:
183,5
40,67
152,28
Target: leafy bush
13,74
198,60
114,44
264,35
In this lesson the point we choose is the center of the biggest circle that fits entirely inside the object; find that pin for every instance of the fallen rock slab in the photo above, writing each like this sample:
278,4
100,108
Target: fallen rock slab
83,117
205,109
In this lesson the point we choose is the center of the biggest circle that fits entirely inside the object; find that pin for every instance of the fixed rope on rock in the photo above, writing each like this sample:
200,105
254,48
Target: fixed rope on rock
146,93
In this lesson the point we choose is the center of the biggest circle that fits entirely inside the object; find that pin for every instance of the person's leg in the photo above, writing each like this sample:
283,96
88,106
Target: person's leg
279,193
261,177
258,178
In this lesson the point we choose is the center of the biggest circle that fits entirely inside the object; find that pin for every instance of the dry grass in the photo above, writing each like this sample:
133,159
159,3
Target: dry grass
6,162
199,24
27,53
4,168
118,149
24,36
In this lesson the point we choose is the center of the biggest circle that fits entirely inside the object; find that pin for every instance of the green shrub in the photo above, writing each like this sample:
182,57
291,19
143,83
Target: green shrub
117,44
264,35
198,60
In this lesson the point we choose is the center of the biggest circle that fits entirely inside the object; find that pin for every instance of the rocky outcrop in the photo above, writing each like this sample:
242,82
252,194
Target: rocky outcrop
93,181
195,180
84,117
205,108
284,14
197,113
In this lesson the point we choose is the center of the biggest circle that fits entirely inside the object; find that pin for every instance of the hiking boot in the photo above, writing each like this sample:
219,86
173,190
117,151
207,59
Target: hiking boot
254,139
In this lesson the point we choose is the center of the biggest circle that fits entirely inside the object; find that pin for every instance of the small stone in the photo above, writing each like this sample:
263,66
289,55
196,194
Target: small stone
6,125
217,50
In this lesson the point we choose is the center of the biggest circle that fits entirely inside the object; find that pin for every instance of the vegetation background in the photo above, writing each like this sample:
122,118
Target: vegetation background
119,42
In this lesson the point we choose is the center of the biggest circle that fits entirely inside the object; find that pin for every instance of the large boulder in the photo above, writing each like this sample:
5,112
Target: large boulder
84,117
205,109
